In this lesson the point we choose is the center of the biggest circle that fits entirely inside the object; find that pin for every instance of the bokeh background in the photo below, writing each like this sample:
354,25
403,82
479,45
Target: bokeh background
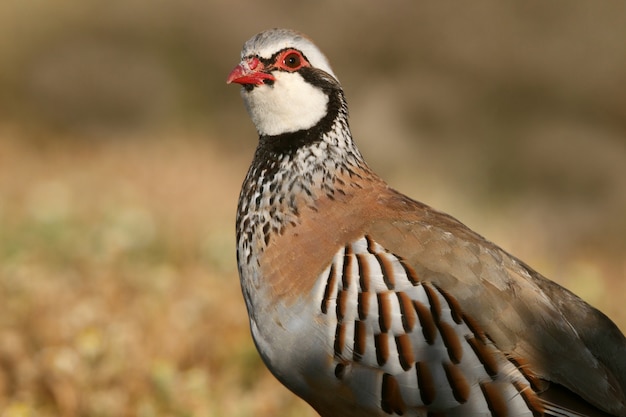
122,151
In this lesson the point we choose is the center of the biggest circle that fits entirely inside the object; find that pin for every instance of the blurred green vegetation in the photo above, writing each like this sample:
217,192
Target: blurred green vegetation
122,152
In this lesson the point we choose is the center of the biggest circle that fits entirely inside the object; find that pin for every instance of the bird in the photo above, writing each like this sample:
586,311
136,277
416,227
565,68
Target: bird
365,302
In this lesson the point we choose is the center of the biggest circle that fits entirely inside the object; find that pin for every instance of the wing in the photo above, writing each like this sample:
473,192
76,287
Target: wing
405,344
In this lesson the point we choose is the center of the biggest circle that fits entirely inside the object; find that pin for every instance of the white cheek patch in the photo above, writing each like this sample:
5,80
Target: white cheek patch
288,105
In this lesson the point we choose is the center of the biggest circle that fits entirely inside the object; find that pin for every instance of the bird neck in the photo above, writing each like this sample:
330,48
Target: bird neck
293,171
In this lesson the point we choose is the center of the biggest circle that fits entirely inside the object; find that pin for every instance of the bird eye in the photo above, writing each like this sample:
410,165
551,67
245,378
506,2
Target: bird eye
292,60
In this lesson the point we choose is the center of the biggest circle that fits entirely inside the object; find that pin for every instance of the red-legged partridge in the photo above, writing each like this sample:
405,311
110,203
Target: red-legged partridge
365,302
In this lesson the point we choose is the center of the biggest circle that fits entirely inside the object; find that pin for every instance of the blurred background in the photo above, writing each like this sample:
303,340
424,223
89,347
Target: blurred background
122,151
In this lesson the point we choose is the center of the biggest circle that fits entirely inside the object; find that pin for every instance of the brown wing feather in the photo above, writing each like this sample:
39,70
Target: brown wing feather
562,338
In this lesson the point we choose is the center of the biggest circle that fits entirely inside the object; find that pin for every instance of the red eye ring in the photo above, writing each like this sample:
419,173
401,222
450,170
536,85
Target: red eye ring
291,60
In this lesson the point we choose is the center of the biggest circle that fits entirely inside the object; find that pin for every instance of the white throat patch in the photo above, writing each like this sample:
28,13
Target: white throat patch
288,105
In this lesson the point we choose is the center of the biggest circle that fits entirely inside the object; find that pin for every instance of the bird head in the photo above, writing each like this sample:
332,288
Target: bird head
286,81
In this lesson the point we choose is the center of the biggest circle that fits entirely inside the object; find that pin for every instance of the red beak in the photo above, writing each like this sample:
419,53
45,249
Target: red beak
249,72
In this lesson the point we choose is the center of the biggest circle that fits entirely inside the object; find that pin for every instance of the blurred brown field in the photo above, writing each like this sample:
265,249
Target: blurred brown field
122,152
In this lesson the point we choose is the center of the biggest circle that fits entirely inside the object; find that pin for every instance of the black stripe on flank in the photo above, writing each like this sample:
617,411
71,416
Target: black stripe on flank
425,382
360,341
384,312
405,351
346,274
340,339
435,305
330,284
363,304
391,397
407,311
386,268
410,272
342,300
427,321
455,307
381,344
370,245
364,272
